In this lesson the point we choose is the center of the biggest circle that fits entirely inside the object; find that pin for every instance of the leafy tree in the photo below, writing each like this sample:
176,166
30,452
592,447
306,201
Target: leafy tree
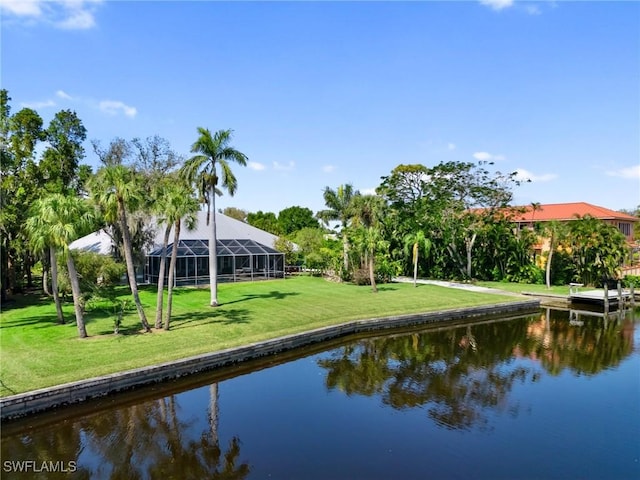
58,220
116,190
19,187
470,194
286,246
339,204
61,159
213,153
236,213
368,211
295,218
267,221
597,248
415,242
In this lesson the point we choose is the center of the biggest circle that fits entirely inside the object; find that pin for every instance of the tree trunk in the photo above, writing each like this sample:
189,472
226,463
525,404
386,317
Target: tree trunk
345,251
548,269
469,243
415,265
27,267
45,280
214,412
128,256
75,289
372,276
54,284
163,259
172,270
213,250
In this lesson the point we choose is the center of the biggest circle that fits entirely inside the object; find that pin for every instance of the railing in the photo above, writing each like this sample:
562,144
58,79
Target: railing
630,270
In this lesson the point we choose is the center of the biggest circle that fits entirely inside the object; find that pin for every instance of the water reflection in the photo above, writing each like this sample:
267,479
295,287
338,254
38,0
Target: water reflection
458,380
149,440
460,375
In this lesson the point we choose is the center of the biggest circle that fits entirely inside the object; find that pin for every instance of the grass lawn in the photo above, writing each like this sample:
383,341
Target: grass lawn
36,352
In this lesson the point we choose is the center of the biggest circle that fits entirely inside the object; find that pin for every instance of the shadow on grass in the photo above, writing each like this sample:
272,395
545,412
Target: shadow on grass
41,321
219,315
274,294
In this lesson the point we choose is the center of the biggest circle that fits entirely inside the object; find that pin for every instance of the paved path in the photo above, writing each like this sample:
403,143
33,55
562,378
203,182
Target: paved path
461,286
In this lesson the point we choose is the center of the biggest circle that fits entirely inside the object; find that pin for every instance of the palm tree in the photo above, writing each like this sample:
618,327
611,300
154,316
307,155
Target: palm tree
415,241
556,232
39,240
340,206
161,205
213,151
367,214
116,190
57,221
181,205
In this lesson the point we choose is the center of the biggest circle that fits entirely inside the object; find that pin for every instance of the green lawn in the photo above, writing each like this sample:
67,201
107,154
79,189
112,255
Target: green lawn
36,352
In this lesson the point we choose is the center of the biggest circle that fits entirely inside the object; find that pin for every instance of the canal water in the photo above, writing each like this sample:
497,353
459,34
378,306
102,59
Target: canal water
552,395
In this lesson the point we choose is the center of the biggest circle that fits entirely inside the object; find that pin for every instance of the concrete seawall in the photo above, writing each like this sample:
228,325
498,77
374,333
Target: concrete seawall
27,403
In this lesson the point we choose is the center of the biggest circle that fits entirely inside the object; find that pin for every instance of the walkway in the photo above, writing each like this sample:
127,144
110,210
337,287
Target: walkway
461,286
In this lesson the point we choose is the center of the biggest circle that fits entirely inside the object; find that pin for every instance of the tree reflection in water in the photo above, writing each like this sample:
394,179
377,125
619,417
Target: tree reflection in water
462,374
147,440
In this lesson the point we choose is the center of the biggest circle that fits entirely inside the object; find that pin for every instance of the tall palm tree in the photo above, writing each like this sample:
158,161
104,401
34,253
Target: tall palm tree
367,214
213,151
181,205
57,221
116,190
415,241
39,241
339,204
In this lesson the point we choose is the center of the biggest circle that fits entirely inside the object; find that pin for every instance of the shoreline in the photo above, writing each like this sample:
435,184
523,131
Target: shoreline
36,401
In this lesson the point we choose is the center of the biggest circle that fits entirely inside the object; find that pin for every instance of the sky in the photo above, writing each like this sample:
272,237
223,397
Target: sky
326,93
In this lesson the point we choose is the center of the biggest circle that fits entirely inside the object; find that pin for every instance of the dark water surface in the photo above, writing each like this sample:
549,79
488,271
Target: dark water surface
554,395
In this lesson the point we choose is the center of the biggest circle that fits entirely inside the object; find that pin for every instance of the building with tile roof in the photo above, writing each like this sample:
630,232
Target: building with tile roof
565,212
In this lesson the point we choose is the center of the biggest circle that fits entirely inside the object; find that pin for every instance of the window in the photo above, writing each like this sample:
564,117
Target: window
625,228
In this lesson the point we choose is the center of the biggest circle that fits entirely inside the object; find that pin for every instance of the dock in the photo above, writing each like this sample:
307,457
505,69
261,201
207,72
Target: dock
617,298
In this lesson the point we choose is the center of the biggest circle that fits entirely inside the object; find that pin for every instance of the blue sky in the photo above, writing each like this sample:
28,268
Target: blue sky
325,93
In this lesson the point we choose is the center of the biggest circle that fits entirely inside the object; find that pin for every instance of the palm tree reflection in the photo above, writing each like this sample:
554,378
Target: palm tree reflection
461,374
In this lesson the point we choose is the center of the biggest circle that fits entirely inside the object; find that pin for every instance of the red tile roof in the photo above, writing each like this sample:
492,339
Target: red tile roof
569,211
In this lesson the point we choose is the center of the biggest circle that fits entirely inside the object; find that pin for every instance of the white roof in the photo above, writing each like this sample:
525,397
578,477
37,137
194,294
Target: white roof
227,228
97,242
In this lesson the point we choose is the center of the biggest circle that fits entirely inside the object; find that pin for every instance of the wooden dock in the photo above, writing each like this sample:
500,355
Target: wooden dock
603,297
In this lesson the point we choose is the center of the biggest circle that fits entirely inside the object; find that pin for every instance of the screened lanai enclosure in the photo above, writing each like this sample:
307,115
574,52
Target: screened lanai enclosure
238,260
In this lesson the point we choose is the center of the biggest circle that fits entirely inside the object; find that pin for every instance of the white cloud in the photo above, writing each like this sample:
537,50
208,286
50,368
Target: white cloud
64,14
525,176
256,166
21,8
78,20
629,172
37,105
113,107
497,4
284,167
486,156
451,146
368,191
328,168
63,94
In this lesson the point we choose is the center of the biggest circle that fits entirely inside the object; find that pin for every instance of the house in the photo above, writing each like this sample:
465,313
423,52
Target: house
526,217
565,212
244,252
